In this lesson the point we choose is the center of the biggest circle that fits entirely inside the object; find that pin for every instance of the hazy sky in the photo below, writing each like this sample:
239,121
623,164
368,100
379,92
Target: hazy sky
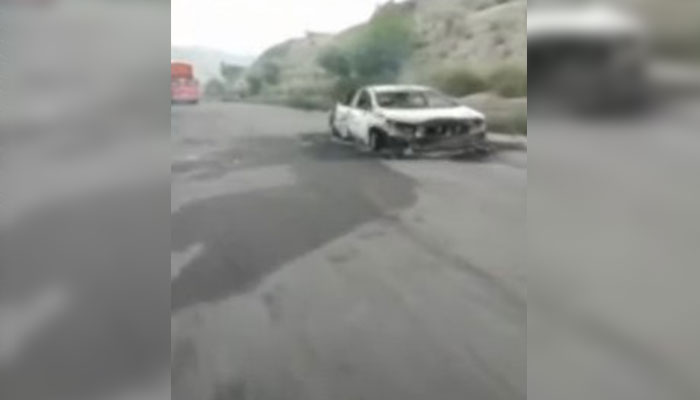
248,27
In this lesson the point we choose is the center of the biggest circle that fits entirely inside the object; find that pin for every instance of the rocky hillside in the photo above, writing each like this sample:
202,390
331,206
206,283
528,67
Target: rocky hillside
475,34
478,33
290,67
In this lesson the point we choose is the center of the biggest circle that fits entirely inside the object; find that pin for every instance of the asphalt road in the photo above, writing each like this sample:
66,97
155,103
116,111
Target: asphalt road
84,294
303,269
84,183
613,228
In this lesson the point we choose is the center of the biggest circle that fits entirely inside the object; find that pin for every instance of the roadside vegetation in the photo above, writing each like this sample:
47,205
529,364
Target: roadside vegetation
503,115
513,124
508,81
390,48
459,81
214,89
222,89
377,54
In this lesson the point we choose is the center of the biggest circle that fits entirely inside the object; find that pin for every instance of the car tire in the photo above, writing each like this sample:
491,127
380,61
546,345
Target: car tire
331,123
374,141
335,133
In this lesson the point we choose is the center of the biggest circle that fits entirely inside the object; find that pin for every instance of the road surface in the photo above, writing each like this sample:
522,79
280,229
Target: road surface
613,227
303,269
84,183
84,283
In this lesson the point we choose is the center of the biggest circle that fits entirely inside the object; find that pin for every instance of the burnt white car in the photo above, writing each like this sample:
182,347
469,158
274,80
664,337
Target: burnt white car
407,119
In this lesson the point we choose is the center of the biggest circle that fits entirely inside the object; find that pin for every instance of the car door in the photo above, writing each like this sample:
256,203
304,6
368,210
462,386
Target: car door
361,114
342,118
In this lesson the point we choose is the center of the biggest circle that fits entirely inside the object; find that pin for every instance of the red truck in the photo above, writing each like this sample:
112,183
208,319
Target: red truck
184,87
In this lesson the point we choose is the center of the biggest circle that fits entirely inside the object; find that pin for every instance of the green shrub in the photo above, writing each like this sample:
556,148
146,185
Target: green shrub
509,81
271,73
459,82
380,50
230,72
376,54
336,62
343,88
517,124
513,124
214,89
308,102
254,85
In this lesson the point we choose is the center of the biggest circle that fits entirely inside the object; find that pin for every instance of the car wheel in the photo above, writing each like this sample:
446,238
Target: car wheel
334,132
374,141
331,122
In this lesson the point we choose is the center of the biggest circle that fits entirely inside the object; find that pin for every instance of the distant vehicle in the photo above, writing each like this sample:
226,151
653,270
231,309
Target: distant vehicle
591,57
184,87
407,119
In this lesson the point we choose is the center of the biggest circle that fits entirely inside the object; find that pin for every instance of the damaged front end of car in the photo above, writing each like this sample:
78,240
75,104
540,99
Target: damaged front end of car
437,135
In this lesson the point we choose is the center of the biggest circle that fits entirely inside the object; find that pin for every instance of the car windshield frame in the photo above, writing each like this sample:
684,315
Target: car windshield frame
443,101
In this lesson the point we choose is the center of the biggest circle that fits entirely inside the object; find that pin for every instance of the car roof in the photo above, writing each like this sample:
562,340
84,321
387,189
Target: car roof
396,88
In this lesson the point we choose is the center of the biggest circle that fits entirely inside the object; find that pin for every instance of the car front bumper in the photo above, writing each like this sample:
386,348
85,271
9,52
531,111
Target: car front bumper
442,143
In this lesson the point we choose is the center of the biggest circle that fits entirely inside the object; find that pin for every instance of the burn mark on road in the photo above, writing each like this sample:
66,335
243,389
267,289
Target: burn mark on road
250,235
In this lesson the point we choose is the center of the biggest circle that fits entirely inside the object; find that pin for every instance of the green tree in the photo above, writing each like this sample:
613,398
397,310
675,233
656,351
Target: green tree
230,72
459,81
214,89
254,85
344,87
336,62
271,73
382,48
509,81
377,54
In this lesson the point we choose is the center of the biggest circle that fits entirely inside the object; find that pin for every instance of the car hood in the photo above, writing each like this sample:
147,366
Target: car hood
423,115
